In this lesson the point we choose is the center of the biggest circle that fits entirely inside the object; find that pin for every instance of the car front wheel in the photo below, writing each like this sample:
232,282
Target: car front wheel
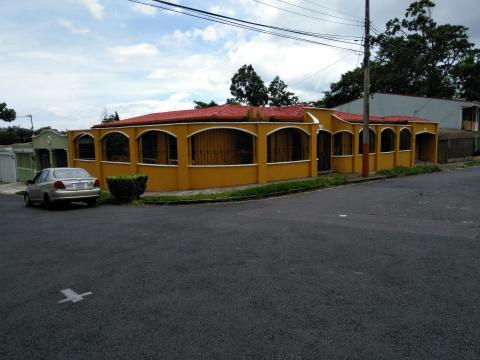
26,199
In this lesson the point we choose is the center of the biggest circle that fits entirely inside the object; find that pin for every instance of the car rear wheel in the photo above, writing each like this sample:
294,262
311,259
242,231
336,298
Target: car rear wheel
26,199
47,202
91,202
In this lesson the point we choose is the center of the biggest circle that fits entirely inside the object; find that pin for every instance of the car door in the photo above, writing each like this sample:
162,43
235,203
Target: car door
35,190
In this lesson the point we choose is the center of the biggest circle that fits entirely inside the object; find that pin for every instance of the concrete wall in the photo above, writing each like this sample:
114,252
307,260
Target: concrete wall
448,113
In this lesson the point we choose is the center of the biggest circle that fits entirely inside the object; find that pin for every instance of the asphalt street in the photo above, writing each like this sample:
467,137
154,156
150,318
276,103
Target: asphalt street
380,270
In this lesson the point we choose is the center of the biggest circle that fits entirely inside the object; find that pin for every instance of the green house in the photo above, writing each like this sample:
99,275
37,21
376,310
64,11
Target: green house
50,149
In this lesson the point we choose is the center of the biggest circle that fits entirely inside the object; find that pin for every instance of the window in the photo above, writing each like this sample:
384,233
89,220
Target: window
286,145
115,147
71,173
222,147
84,147
342,143
157,147
405,139
371,142
387,141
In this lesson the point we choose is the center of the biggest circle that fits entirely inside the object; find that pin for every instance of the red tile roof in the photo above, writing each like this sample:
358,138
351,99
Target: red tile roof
355,118
221,113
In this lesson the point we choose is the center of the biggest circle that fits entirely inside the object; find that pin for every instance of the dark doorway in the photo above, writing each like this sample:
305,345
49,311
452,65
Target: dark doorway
324,148
60,158
43,158
425,148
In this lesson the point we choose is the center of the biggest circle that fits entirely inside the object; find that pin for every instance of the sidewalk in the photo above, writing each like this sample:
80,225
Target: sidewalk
12,188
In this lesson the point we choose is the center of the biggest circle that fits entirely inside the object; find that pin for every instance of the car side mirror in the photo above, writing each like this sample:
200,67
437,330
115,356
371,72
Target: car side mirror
29,182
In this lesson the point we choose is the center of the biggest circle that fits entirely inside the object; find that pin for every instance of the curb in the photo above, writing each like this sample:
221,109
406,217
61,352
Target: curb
263,196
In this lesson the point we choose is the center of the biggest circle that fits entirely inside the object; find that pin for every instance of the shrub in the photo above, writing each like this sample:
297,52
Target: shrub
126,188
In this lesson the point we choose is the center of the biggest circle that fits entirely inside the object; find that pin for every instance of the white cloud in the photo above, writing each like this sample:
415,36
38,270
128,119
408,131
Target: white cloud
177,101
95,8
136,52
67,24
144,9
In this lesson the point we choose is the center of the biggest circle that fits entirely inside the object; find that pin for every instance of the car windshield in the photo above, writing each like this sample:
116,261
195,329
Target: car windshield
70,173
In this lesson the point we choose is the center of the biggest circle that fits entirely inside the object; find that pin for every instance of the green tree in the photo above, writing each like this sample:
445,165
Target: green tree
467,75
7,114
202,105
107,118
279,95
248,88
414,56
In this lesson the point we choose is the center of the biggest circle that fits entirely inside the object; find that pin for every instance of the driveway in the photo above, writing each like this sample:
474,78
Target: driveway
380,270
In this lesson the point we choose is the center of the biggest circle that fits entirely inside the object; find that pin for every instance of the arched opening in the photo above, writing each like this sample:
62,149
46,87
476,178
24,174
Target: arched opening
288,144
371,142
84,147
425,147
342,143
324,150
222,147
387,140
157,147
405,140
115,147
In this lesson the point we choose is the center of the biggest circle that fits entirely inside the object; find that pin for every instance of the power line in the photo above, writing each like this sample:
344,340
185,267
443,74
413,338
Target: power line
300,14
322,13
332,9
324,68
222,19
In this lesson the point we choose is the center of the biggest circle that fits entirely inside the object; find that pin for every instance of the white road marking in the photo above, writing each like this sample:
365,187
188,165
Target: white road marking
72,295
342,215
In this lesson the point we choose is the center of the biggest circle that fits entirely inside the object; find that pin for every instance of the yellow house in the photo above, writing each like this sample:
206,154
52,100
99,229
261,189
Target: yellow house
233,145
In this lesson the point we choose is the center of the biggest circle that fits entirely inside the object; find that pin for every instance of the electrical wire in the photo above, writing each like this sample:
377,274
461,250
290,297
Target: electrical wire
322,13
205,15
322,69
296,13
332,9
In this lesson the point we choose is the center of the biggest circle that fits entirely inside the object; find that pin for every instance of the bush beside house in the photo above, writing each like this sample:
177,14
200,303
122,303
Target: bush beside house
126,188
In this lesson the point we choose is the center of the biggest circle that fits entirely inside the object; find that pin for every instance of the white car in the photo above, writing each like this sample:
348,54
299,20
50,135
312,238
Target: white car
62,185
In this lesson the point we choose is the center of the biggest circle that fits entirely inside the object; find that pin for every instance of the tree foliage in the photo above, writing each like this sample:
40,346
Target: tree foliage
279,95
202,105
107,118
248,88
14,134
7,114
415,56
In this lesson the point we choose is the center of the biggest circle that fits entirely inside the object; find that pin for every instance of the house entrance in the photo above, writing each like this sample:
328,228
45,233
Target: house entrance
425,148
324,150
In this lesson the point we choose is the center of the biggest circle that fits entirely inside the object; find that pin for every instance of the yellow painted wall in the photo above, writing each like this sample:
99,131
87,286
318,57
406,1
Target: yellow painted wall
220,176
160,177
294,170
386,161
404,158
183,176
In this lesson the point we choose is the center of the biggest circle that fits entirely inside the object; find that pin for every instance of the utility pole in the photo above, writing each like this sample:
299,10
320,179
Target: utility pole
366,92
27,116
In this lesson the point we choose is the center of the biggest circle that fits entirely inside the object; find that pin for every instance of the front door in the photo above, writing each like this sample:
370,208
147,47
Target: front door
324,143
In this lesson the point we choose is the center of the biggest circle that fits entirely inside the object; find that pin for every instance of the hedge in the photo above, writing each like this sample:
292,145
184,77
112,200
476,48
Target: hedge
126,188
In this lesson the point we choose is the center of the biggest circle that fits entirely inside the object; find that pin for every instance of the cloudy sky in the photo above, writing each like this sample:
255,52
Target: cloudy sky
64,61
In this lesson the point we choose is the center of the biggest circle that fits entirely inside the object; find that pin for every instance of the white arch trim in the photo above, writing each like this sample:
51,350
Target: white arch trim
114,131
314,118
156,130
424,132
387,128
78,136
288,127
340,131
405,128
221,127
324,130
374,131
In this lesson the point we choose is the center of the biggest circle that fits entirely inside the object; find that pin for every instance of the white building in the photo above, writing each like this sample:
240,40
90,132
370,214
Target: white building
450,114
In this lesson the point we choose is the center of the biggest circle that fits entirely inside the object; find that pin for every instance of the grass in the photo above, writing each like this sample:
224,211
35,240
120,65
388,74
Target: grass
254,192
471,163
105,198
403,170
